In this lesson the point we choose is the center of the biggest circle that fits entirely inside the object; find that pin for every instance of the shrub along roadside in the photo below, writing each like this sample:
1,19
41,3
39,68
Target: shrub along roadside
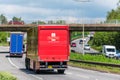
95,58
7,76
95,67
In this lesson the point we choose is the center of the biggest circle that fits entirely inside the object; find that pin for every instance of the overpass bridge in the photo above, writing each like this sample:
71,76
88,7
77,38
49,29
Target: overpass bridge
73,27
95,27
22,28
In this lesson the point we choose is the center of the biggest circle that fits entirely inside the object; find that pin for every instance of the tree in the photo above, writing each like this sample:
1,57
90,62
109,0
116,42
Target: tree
114,13
16,19
110,38
3,37
3,19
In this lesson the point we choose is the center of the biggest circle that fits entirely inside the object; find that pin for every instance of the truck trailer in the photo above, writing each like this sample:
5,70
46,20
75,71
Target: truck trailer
16,44
47,48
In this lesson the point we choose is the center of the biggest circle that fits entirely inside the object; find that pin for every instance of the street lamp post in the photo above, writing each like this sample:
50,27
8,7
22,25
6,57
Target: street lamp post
82,21
83,39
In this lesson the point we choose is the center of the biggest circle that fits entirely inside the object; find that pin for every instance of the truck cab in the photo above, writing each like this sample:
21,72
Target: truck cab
109,50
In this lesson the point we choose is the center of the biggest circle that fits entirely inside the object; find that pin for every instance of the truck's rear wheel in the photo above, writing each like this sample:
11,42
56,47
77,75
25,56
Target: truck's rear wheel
37,71
27,63
61,71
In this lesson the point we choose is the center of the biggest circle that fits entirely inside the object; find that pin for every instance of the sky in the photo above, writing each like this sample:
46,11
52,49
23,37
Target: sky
30,10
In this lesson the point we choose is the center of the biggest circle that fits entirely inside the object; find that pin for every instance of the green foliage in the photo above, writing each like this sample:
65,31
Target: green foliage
110,38
96,67
3,37
3,19
98,48
76,35
114,13
16,19
7,76
95,58
117,40
106,38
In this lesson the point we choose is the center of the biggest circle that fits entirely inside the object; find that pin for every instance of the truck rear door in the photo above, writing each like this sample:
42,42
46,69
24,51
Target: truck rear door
53,45
16,43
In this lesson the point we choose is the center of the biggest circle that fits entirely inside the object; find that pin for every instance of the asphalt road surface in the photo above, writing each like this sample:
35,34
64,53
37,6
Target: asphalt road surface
79,47
16,66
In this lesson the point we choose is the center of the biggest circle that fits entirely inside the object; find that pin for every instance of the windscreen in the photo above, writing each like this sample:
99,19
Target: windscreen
110,50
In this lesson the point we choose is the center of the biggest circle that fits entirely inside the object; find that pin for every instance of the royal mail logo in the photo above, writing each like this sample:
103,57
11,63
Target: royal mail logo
53,37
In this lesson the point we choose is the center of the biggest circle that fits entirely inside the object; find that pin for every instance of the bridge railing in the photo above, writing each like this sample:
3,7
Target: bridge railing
58,21
95,21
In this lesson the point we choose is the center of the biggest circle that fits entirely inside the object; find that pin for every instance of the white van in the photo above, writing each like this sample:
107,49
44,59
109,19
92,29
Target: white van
109,50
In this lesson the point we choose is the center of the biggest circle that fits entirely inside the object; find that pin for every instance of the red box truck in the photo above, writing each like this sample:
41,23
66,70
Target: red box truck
48,48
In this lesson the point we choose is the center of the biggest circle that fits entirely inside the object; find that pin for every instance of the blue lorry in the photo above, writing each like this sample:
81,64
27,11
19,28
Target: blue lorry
16,44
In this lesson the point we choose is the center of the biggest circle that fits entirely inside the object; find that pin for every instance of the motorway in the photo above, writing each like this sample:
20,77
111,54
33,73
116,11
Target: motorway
79,47
16,66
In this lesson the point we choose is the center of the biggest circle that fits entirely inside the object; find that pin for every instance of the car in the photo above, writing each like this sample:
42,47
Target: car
87,47
117,56
81,41
73,44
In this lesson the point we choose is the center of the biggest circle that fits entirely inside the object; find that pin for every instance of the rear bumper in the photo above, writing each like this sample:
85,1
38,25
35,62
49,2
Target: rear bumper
53,65
16,54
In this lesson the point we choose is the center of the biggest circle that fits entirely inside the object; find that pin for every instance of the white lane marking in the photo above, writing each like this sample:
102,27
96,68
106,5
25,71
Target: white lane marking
80,69
82,76
79,76
19,68
13,63
68,73
37,77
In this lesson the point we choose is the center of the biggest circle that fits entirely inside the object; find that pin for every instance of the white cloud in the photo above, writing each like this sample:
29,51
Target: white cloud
33,11
15,9
57,9
111,4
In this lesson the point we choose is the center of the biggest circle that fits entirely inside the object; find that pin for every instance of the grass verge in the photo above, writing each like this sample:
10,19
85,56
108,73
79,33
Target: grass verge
7,76
94,58
4,44
95,67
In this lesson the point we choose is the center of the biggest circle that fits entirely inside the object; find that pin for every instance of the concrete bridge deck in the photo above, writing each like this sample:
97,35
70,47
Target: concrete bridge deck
73,27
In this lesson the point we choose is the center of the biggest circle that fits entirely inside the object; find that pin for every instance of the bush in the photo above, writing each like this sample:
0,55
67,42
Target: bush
95,58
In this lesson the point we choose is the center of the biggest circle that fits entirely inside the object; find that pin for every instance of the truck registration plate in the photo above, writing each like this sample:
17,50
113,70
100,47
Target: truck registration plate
50,67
